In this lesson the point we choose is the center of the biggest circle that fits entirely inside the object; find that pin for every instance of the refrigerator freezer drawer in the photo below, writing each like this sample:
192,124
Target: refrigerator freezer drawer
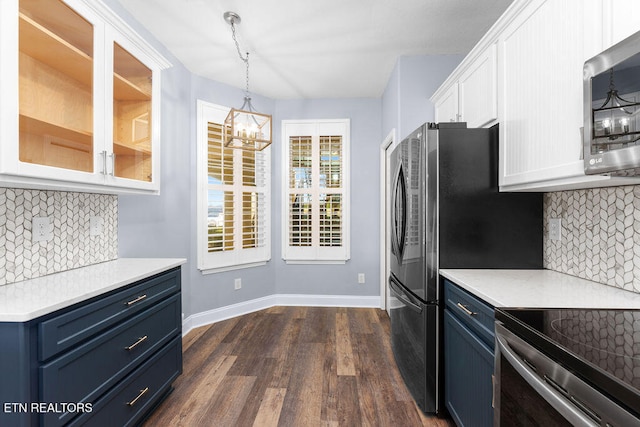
411,322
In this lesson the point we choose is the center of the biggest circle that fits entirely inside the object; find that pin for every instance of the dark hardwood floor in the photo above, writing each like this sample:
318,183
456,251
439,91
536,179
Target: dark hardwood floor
292,366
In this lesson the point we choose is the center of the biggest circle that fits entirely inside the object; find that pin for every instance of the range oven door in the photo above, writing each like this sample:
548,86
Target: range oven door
532,390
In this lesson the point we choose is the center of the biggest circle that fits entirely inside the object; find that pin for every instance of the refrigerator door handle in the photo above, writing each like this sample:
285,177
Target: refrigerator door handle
395,285
399,214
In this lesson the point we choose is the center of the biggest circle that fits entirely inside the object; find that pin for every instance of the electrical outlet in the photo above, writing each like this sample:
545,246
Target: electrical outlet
555,229
360,278
95,225
41,229
237,284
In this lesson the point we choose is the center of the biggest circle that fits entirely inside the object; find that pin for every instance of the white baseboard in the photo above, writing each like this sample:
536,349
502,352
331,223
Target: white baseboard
235,310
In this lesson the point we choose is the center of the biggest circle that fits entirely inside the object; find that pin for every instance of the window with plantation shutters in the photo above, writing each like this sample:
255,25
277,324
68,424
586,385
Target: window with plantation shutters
315,225
233,198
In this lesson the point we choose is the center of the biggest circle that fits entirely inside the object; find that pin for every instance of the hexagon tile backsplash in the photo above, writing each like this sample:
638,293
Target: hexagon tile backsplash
71,246
600,235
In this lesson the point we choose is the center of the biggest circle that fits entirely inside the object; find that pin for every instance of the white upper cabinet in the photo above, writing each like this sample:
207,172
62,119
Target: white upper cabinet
477,88
81,99
526,74
542,51
470,93
621,19
446,105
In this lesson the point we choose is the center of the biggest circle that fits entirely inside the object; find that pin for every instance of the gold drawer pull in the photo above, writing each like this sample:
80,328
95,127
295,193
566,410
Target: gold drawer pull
466,310
142,392
140,298
132,346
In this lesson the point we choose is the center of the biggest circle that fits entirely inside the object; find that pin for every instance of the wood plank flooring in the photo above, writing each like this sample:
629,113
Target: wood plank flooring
292,366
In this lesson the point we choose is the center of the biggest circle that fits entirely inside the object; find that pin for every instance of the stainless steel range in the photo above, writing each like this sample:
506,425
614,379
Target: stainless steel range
567,367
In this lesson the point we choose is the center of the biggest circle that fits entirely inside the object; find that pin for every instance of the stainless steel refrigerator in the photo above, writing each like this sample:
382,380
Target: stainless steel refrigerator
447,212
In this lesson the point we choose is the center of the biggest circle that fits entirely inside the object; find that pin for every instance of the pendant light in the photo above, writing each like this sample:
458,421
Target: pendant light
245,128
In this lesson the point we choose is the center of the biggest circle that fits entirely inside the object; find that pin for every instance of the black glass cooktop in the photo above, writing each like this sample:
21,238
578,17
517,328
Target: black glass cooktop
601,346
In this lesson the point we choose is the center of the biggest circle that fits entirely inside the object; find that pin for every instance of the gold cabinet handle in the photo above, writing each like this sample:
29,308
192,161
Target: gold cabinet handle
466,310
133,301
142,392
132,346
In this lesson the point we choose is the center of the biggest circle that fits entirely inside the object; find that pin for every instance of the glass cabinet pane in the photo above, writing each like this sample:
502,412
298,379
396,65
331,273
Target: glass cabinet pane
131,116
55,86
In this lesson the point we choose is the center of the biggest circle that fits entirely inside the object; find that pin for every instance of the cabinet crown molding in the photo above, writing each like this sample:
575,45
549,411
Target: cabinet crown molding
110,17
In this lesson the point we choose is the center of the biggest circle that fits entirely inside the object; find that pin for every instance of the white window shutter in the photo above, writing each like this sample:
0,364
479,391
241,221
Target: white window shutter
233,198
315,224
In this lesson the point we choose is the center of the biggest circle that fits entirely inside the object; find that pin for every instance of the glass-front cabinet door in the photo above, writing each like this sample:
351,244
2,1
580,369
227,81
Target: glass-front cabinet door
55,58
132,117
80,99
51,89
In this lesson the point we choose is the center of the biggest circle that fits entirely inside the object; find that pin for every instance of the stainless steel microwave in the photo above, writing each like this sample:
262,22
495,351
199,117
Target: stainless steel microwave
612,110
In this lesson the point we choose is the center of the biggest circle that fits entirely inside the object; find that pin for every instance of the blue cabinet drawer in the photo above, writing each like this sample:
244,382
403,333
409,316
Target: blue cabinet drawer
476,314
87,371
72,327
148,383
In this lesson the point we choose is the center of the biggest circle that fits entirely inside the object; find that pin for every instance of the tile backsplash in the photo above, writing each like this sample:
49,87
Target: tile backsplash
72,246
600,237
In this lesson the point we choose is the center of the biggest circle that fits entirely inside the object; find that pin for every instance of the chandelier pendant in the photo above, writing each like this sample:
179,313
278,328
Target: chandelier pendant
245,128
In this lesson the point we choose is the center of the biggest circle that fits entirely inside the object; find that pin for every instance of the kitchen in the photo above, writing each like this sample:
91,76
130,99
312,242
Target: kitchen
161,227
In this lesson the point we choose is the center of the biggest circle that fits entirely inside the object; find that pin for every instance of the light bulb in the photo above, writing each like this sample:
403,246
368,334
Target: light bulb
624,124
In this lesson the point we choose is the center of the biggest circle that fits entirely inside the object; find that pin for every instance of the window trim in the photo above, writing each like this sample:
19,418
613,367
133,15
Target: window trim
238,258
316,254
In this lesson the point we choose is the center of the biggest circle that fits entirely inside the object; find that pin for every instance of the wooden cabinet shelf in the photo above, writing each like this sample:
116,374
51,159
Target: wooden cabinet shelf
130,150
48,48
124,90
38,127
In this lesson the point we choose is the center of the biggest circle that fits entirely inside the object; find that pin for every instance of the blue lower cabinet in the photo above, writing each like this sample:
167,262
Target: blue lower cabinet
86,372
132,398
106,361
63,331
468,365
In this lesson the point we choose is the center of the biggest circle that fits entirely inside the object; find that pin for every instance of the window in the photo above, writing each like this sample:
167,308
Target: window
315,223
233,198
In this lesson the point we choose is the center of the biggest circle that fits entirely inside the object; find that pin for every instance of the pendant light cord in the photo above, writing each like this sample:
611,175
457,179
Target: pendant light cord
244,59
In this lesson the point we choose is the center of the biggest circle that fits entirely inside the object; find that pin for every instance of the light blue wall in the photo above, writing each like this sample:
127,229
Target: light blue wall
391,103
365,115
413,81
164,225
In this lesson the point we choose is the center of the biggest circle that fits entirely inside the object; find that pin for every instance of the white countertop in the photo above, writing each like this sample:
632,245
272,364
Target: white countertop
29,299
540,288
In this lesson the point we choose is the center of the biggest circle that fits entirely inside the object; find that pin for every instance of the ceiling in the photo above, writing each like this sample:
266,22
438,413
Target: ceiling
313,49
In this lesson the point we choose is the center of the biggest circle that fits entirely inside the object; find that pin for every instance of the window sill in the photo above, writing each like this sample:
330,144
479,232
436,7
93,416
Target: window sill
206,271
315,261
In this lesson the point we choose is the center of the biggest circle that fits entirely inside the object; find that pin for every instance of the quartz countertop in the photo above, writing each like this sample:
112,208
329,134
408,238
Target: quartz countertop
29,299
540,289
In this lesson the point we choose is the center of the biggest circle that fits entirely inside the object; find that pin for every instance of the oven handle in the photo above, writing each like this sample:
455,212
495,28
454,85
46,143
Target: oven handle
555,399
